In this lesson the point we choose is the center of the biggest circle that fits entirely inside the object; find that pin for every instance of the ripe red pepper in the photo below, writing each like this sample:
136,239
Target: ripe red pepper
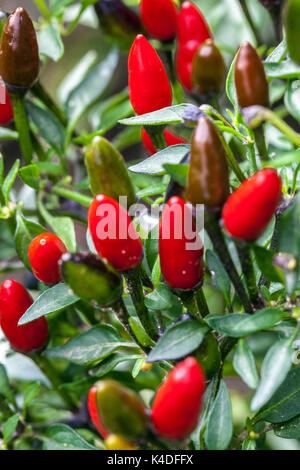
113,233
178,401
192,32
251,83
250,208
171,139
93,411
6,111
14,301
159,18
181,264
149,86
44,253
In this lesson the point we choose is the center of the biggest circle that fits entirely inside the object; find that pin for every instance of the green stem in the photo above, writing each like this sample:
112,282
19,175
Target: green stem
226,345
201,302
135,288
46,366
156,134
260,141
38,148
73,196
233,164
22,126
251,24
188,299
121,312
39,91
43,8
215,234
244,253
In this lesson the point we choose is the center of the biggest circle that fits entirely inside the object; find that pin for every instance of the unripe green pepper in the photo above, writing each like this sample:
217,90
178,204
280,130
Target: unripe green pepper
91,278
209,356
292,28
107,171
208,71
19,52
119,23
208,176
121,410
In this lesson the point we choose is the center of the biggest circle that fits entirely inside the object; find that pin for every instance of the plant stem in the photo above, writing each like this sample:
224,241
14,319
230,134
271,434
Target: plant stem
46,366
244,253
226,345
72,195
22,126
201,302
39,91
188,299
252,26
214,231
260,141
135,288
43,8
233,164
121,312
156,134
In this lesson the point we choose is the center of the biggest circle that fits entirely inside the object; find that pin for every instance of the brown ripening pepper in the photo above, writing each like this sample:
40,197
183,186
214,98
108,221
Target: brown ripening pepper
208,71
19,52
251,83
208,177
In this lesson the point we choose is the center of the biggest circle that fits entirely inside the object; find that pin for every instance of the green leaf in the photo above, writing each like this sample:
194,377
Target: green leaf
50,42
8,134
237,325
9,180
91,346
244,364
276,365
284,159
5,390
264,259
289,430
31,392
26,231
278,53
160,299
139,331
219,426
284,69
62,437
178,341
48,126
111,362
9,427
292,99
53,300
90,88
249,444
154,165
106,114
152,190
156,273
179,172
230,85
219,275
62,226
170,115
30,175
285,403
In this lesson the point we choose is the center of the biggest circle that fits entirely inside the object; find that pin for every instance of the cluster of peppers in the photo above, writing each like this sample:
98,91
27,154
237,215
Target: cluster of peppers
117,412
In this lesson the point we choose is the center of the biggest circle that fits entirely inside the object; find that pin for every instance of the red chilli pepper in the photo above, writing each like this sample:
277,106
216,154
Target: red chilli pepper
250,208
178,401
192,32
6,111
113,233
180,247
159,18
171,139
14,301
93,411
149,86
44,253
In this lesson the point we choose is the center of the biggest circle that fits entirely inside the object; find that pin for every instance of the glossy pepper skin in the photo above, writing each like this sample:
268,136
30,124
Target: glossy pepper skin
119,23
250,78
93,412
113,233
291,21
14,301
171,139
91,278
208,72
19,52
159,18
181,265
107,171
208,176
44,253
6,111
149,86
121,410
115,442
178,401
192,32
250,208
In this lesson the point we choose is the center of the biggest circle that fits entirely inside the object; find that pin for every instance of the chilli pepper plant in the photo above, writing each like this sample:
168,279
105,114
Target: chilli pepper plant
150,225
